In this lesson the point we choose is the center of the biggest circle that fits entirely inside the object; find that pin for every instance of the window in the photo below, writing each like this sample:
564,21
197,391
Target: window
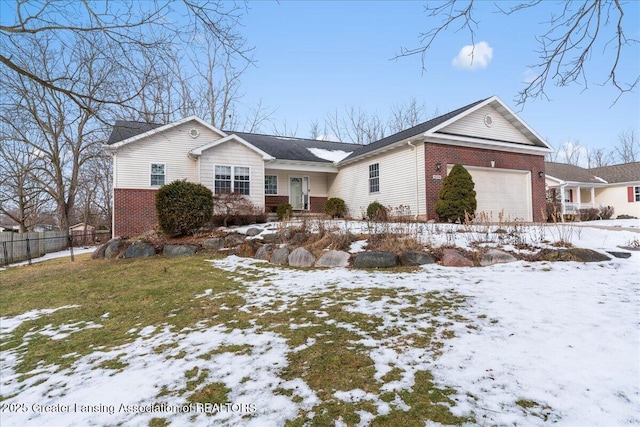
636,193
271,184
157,174
222,180
229,179
374,178
241,180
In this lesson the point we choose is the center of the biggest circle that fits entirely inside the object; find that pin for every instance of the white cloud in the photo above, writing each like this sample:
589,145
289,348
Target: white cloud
528,76
473,57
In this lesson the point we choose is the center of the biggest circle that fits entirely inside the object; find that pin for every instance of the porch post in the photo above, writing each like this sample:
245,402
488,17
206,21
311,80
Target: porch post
578,201
593,197
562,201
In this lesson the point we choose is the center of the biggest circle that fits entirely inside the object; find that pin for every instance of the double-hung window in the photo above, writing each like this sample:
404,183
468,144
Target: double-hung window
374,178
636,194
157,173
232,179
271,184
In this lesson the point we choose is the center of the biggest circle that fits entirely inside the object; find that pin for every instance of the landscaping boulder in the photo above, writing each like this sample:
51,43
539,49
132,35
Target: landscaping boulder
334,259
140,249
233,240
587,255
453,258
413,258
264,251
174,251
616,254
301,257
269,237
375,260
299,238
573,254
495,256
280,256
113,248
253,231
99,252
248,249
214,243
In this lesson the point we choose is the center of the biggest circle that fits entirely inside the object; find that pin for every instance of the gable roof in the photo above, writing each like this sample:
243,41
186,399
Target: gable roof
431,128
297,149
407,133
125,129
198,151
570,173
625,172
130,132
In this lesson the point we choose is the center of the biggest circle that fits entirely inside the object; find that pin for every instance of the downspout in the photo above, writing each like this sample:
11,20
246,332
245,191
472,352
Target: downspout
113,194
415,151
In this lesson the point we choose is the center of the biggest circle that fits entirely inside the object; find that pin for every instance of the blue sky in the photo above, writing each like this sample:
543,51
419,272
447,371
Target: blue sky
314,57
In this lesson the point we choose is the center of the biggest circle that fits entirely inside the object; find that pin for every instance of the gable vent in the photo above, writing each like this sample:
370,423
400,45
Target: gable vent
488,121
194,133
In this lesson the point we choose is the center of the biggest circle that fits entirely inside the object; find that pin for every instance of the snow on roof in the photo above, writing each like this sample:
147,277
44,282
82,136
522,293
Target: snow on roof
331,155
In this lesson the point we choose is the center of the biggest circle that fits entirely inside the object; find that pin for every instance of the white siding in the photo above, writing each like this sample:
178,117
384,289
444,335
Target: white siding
170,147
317,181
473,125
232,153
617,197
398,184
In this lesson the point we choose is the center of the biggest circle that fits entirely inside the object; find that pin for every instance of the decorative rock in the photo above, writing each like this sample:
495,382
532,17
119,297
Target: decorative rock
113,248
334,259
624,255
269,237
233,240
280,256
99,252
253,231
173,251
247,249
453,258
588,255
214,243
300,257
375,260
140,249
413,258
495,256
263,251
299,238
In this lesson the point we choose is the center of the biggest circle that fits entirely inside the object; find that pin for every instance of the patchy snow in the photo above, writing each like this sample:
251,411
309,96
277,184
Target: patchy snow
331,155
54,255
562,335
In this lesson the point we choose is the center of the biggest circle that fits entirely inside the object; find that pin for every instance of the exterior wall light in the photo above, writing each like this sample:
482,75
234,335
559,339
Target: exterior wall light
438,166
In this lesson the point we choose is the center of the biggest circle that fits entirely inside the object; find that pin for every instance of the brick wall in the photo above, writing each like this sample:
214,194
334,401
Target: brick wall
134,211
317,204
272,202
444,154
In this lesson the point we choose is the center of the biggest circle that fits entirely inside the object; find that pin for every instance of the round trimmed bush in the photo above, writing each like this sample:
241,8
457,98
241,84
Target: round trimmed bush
335,207
377,212
284,211
457,197
183,207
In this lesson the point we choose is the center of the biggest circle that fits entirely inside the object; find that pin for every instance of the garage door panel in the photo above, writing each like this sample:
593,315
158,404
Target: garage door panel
502,190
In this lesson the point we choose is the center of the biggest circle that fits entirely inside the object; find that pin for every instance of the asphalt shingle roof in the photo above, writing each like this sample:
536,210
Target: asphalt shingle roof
570,173
124,129
625,172
286,148
407,133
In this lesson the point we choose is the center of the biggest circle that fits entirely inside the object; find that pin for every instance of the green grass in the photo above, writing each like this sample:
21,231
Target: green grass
325,334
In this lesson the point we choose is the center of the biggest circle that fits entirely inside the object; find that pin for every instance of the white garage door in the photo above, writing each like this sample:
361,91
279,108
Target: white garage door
502,190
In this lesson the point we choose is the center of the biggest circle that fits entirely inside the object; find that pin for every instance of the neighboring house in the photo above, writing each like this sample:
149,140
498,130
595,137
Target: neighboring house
579,188
503,154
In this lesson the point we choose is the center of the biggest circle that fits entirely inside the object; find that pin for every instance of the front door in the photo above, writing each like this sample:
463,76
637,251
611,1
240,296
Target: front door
299,193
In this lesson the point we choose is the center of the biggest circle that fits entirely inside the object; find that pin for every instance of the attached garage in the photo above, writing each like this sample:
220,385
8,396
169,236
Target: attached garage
502,190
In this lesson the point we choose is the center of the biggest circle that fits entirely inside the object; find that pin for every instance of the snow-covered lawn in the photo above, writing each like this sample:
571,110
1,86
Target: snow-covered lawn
523,344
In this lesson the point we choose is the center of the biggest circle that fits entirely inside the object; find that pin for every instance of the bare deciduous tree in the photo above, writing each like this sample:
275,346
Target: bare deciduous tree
128,30
576,32
628,148
598,157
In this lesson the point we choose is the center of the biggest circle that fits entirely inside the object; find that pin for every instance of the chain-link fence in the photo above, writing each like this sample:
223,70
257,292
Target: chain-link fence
18,247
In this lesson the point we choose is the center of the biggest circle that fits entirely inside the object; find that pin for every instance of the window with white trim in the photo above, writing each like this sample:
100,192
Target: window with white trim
636,194
157,173
241,180
374,178
232,179
271,184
